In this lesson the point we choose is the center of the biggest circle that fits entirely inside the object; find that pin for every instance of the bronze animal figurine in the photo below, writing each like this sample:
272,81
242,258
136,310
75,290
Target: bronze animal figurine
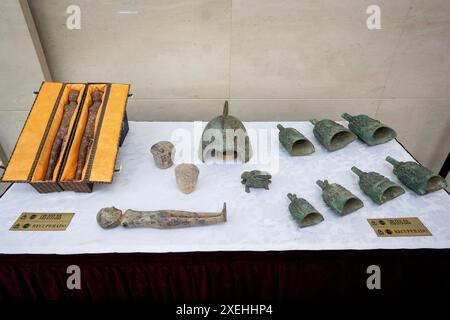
256,179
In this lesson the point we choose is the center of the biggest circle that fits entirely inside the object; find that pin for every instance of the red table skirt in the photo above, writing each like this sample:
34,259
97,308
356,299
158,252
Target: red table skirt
228,276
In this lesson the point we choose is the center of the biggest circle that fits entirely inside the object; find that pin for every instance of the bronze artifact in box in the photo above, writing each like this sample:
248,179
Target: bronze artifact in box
303,212
338,198
332,135
294,142
163,153
88,136
225,136
109,218
416,177
62,133
256,179
369,130
379,188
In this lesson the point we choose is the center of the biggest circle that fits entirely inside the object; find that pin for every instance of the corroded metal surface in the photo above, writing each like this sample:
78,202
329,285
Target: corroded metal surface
109,218
294,142
338,198
256,179
369,130
303,212
416,177
88,135
332,135
61,136
379,188
225,135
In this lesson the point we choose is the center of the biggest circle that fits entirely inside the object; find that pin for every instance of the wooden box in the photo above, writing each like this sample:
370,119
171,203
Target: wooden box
30,157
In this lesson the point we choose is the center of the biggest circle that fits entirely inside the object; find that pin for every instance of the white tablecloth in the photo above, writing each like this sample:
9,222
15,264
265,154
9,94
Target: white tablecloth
258,221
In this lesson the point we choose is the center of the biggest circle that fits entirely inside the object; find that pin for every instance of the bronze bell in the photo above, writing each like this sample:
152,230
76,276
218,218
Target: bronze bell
379,188
303,212
416,177
294,142
332,135
338,198
369,130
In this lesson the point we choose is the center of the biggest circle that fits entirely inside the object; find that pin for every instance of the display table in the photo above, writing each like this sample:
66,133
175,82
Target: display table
184,259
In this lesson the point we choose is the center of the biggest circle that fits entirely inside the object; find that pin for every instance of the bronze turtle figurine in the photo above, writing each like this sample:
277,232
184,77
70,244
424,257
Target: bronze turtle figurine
256,179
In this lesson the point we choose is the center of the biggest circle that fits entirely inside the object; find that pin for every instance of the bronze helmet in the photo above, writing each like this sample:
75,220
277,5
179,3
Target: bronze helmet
225,135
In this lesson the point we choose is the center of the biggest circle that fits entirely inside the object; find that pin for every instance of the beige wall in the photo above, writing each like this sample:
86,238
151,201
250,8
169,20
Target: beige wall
274,59
20,72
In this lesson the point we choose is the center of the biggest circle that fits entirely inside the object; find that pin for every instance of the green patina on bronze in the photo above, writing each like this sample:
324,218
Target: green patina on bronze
109,218
303,212
338,198
369,130
416,177
225,135
256,179
379,188
332,135
294,142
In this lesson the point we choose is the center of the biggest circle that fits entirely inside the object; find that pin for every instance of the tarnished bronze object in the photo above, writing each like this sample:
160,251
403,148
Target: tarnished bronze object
338,198
225,136
303,212
109,218
332,135
256,179
294,142
416,177
369,130
61,136
379,188
88,135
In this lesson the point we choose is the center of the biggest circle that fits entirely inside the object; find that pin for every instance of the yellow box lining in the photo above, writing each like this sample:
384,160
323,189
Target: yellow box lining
108,140
41,167
27,146
69,131
70,167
